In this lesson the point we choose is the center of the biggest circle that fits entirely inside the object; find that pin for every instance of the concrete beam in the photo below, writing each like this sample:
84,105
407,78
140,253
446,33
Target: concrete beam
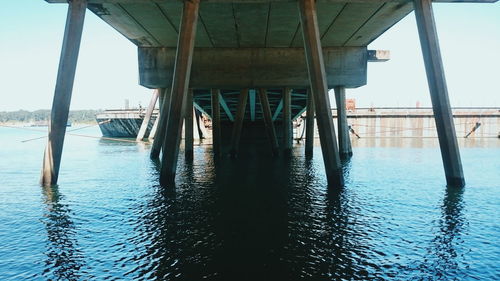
271,132
180,84
345,148
162,124
62,93
439,93
253,67
147,117
238,124
319,88
188,126
216,125
309,145
287,121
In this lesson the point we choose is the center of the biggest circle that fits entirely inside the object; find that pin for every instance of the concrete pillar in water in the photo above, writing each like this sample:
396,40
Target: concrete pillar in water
317,77
161,94
287,121
268,121
147,117
162,124
216,127
238,122
188,127
439,93
63,91
309,146
345,148
180,84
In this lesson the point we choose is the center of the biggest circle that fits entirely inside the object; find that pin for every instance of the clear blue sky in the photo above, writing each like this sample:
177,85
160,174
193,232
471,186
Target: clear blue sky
31,33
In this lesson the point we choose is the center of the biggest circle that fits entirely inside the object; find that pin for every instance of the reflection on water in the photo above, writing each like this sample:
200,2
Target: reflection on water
255,217
64,258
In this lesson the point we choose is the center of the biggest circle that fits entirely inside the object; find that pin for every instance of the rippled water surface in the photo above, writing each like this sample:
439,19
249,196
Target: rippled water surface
253,218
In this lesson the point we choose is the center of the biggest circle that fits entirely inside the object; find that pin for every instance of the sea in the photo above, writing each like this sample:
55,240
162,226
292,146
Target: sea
254,217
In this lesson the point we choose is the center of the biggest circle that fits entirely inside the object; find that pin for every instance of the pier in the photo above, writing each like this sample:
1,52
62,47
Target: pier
253,67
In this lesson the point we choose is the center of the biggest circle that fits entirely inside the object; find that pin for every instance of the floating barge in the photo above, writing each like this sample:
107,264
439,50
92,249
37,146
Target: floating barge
124,123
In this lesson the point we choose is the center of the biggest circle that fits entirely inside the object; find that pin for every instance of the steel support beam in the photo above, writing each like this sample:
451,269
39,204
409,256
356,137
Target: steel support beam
278,110
147,117
226,108
238,124
439,93
62,93
180,84
309,146
345,148
317,77
268,121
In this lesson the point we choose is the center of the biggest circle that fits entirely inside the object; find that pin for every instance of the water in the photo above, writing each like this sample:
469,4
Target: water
255,218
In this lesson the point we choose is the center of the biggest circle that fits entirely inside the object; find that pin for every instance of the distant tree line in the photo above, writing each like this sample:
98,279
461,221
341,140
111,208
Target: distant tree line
24,116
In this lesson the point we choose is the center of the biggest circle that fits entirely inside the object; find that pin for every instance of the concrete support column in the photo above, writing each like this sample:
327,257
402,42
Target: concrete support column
161,95
216,127
317,77
345,148
268,121
238,122
147,117
287,121
439,93
64,88
180,84
309,146
162,124
189,126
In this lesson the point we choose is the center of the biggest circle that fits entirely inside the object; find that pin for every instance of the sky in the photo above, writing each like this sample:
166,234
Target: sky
31,33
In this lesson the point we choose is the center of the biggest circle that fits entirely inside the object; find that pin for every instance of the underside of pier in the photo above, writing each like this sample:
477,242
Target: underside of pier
256,61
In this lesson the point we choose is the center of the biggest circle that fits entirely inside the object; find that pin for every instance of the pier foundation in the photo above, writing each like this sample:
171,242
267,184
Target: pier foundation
439,93
180,84
345,148
317,78
62,94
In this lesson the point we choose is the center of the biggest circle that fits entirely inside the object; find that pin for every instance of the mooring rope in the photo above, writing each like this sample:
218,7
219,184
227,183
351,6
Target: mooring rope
69,133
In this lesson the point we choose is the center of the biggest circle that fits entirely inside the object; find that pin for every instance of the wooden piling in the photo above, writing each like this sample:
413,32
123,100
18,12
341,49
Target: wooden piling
439,93
162,124
216,129
268,121
62,94
345,148
238,122
188,127
317,77
309,145
180,84
287,121
147,116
